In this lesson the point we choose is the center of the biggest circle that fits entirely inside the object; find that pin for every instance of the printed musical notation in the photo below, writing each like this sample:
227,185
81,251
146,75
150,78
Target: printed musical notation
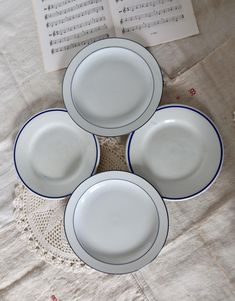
145,5
153,23
76,16
78,26
146,16
78,35
66,26
69,9
151,14
80,29
57,5
78,44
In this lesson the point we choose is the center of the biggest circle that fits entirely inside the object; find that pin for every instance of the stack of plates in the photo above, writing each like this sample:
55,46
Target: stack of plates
117,222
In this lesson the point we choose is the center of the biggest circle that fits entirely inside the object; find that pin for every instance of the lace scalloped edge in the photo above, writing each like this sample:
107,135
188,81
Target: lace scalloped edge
33,245
31,241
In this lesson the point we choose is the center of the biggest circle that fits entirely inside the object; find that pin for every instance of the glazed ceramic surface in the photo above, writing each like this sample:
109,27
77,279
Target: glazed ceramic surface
112,87
116,222
53,155
179,151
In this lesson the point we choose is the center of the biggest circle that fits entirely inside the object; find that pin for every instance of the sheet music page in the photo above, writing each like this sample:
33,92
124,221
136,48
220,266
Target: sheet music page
66,26
153,22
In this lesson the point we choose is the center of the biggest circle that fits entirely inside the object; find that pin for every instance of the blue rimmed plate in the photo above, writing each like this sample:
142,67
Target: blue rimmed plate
179,151
53,155
116,222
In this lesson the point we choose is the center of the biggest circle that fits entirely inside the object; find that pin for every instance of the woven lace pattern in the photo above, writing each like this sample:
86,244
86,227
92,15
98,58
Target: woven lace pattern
40,220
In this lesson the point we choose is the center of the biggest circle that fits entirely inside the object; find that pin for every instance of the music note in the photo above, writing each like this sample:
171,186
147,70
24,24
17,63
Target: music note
78,35
65,26
151,14
78,26
144,5
152,24
57,5
77,44
70,9
76,16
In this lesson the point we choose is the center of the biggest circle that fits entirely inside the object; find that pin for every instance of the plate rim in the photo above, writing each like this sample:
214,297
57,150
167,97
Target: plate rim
97,147
67,80
152,76
126,271
203,115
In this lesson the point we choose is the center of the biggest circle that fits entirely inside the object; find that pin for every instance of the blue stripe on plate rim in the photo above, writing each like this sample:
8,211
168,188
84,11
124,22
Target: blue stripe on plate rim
14,152
128,146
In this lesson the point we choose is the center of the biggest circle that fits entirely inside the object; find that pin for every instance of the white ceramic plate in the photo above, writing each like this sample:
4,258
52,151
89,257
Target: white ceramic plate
179,151
53,155
112,87
116,222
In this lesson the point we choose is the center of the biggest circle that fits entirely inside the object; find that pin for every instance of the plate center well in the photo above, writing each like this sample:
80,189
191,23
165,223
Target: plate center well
175,150
116,221
112,87
55,152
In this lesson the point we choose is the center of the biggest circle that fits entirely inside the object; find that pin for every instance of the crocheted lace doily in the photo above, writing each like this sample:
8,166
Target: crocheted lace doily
40,221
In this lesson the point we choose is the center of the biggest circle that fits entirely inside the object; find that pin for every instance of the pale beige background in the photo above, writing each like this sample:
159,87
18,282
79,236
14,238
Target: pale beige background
198,261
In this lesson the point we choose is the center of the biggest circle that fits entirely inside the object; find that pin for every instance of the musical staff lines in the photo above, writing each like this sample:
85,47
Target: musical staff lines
75,16
144,5
66,26
78,44
73,24
78,26
60,4
78,35
70,9
151,14
152,23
